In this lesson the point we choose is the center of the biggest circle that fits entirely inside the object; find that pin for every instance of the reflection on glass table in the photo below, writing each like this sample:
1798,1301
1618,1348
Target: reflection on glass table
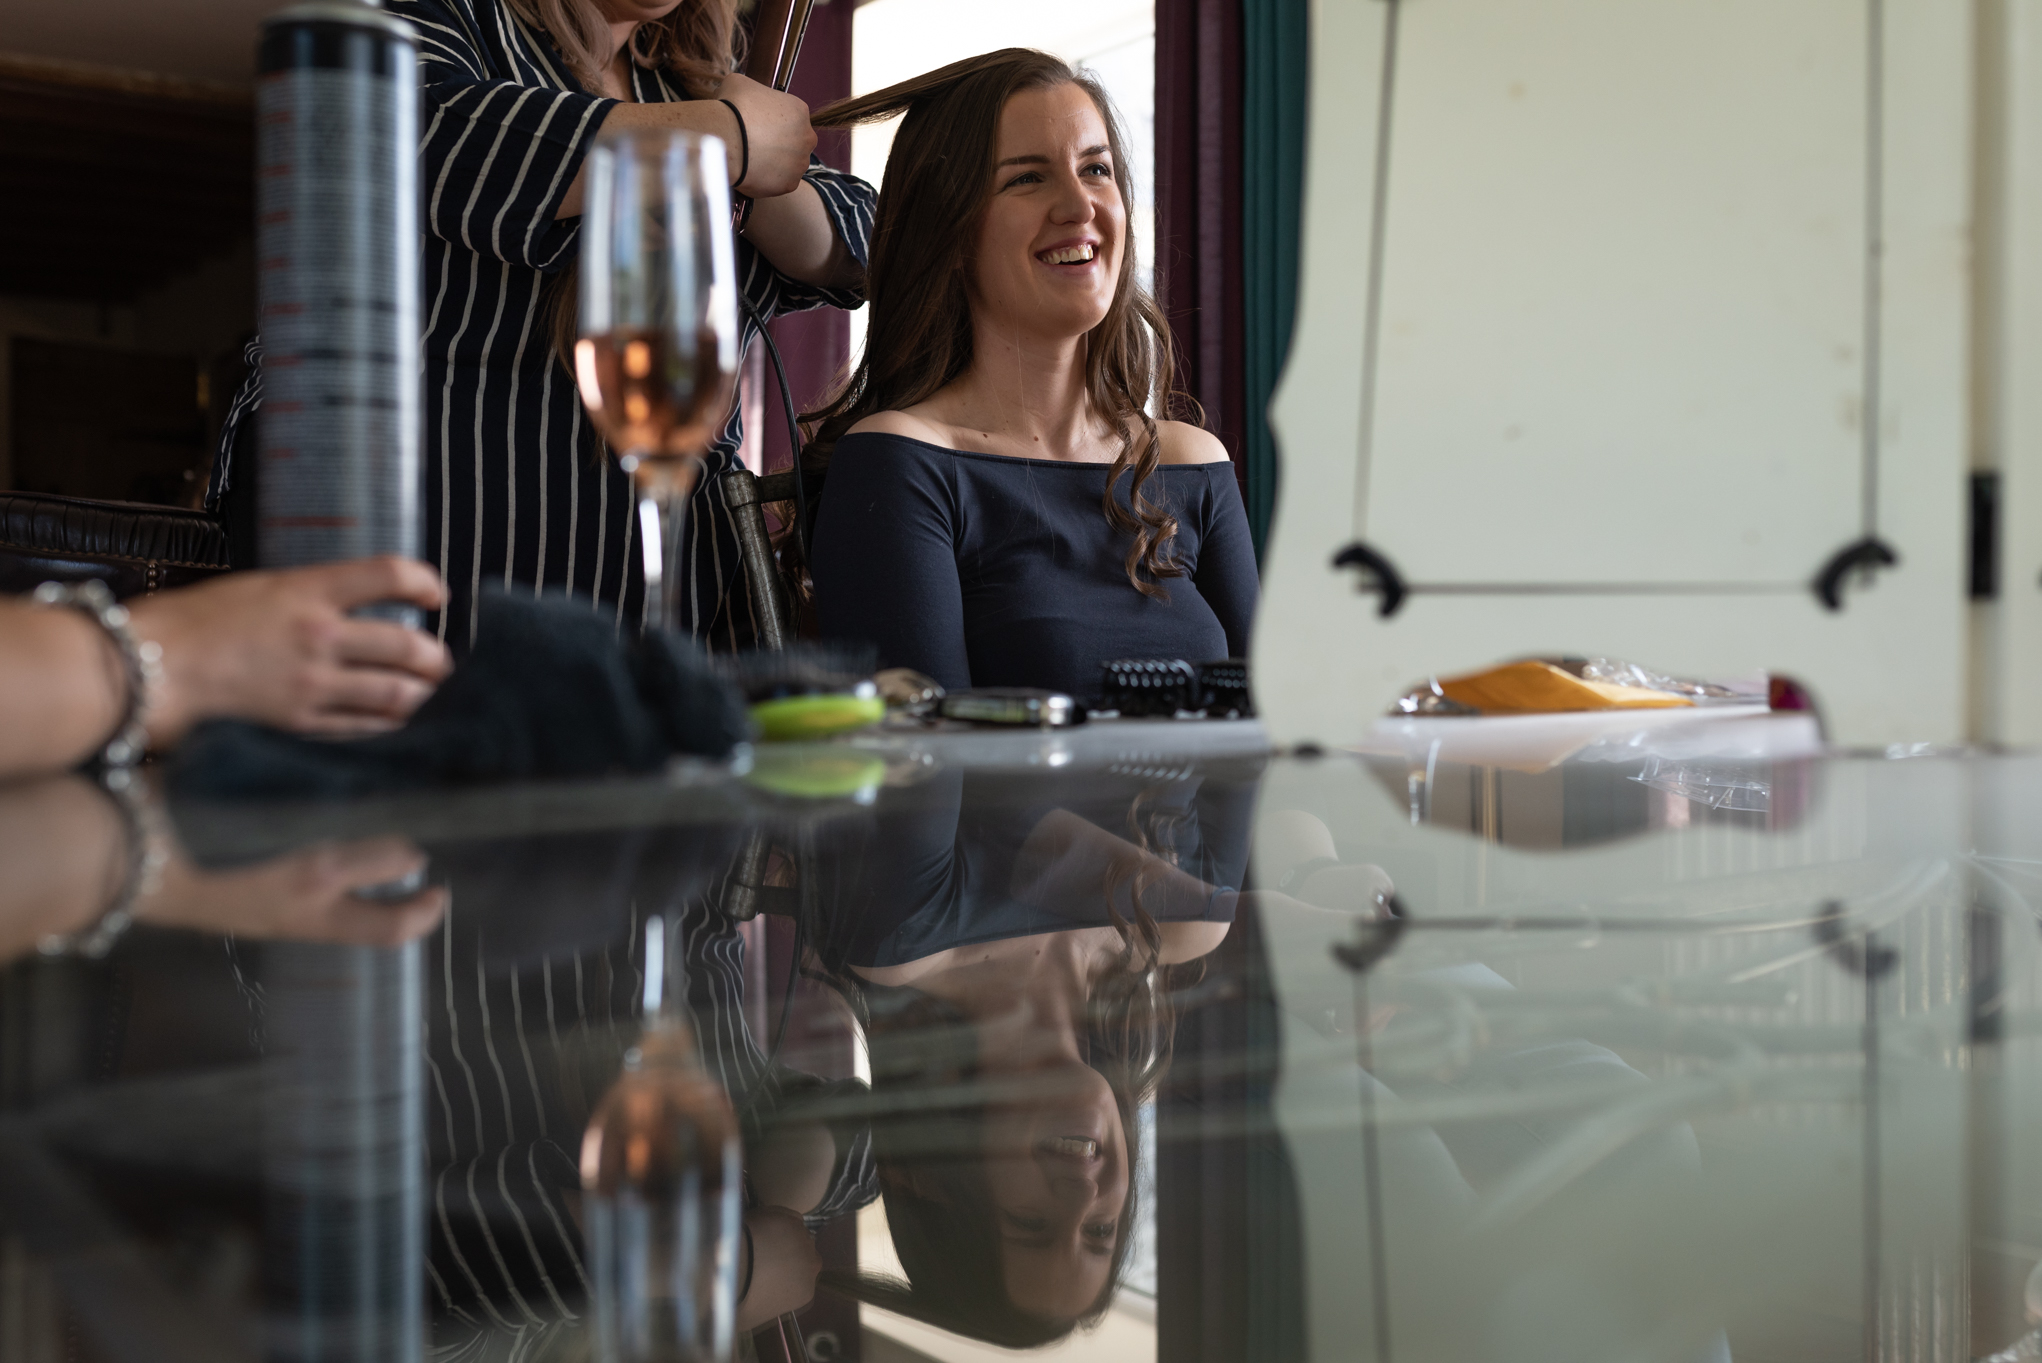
1554,1051
1639,1070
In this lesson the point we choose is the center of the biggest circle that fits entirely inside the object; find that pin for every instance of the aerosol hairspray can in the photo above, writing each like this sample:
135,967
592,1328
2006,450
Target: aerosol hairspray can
337,251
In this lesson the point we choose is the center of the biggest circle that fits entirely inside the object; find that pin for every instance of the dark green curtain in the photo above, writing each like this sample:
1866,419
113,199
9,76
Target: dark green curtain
1275,57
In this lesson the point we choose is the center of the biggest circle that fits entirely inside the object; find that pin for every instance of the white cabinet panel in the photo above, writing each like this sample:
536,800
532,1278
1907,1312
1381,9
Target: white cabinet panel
2009,347
1621,387
1623,285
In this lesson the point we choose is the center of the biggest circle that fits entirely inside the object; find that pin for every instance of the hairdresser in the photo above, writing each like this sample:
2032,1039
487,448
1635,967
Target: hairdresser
543,957
1002,507
518,490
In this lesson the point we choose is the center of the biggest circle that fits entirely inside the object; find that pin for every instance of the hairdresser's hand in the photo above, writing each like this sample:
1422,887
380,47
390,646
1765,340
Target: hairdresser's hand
776,126
306,896
1296,850
784,1265
279,648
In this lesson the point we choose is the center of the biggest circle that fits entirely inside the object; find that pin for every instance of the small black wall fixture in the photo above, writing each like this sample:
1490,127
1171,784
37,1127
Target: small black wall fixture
1859,955
1376,937
1865,554
1388,579
1984,536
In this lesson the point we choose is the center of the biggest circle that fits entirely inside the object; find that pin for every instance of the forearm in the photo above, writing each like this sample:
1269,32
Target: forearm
1069,863
790,230
781,1263
791,1167
62,843
61,689
706,116
796,234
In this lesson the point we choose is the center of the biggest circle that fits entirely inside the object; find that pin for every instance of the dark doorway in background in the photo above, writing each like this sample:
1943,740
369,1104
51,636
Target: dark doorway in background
115,425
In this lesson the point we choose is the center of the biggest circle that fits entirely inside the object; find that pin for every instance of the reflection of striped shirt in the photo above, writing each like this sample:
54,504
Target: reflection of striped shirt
518,487
517,1062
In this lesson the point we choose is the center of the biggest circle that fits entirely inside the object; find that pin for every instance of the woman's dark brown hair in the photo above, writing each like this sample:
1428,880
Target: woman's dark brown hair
929,1101
929,1110
939,181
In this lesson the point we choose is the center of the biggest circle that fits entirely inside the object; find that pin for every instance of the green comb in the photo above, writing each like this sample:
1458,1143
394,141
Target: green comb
818,774
809,690
794,719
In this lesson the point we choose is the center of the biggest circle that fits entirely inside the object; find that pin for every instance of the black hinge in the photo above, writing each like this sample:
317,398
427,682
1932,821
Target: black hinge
1984,536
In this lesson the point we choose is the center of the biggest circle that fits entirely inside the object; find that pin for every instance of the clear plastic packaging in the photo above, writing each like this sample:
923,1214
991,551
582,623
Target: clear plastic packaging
1432,698
1621,673
1719,785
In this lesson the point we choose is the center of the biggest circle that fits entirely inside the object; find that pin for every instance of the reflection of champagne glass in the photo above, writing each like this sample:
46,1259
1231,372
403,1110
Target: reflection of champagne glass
663,1172
657,358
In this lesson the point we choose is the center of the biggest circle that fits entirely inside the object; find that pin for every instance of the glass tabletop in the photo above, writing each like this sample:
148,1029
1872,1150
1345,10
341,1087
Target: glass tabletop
1577,1037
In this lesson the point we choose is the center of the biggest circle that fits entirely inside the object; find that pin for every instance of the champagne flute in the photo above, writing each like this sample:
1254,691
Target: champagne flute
656,358
662,1171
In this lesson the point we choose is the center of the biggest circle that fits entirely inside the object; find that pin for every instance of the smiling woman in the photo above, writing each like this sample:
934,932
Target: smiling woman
1008,395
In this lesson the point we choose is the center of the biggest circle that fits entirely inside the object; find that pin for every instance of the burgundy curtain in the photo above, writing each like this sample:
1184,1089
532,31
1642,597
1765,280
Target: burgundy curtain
1198,205
815,345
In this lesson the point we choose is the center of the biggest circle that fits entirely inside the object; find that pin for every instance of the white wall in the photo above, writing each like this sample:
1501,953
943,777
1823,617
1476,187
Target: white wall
2008,360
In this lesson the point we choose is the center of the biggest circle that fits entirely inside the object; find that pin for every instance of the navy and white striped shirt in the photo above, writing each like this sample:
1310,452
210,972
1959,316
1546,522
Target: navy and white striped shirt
520,490
517,1061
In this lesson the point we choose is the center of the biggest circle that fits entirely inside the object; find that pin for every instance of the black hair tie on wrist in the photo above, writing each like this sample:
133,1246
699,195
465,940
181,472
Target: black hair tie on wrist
744,143
742,209
751,1261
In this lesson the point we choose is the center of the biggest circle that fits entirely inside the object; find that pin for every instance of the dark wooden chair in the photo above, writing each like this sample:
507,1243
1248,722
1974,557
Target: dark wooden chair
134,549
747,495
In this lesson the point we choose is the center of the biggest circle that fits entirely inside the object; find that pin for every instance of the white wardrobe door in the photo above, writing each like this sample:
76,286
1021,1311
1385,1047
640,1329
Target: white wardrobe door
1619,372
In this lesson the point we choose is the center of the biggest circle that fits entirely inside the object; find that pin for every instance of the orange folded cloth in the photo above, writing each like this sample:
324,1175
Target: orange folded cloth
1536,688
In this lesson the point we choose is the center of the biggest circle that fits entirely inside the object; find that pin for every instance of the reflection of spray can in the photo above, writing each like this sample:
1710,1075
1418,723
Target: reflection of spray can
343,1153
337,242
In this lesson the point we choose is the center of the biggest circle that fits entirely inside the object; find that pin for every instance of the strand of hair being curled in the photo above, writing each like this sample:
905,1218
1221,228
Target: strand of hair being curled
939,180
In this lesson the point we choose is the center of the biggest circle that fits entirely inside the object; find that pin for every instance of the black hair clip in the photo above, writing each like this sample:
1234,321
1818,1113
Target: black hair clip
1378,936
1861,956
1372,562
1859,556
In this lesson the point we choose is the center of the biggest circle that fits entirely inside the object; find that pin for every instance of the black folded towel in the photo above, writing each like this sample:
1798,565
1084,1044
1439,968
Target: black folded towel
550,689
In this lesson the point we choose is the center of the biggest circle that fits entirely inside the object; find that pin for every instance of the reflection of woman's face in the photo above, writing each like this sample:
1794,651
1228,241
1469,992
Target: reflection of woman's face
1048,258
1057,1168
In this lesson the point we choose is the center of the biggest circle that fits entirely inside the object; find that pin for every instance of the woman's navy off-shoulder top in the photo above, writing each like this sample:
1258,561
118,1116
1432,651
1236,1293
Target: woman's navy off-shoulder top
986,570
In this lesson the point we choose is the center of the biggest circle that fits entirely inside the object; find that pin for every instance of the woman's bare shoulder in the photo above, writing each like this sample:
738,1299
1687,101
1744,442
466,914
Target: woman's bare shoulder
1183,443
897,976
1188,941
902,423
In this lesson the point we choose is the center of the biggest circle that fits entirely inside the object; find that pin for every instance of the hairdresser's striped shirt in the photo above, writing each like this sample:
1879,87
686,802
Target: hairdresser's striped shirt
517,1060
519,491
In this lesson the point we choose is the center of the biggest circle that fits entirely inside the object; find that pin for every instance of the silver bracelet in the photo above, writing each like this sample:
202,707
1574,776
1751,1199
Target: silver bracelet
147,856
142,660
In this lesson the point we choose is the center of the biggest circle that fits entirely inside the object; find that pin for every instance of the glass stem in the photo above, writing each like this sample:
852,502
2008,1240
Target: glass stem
661,519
